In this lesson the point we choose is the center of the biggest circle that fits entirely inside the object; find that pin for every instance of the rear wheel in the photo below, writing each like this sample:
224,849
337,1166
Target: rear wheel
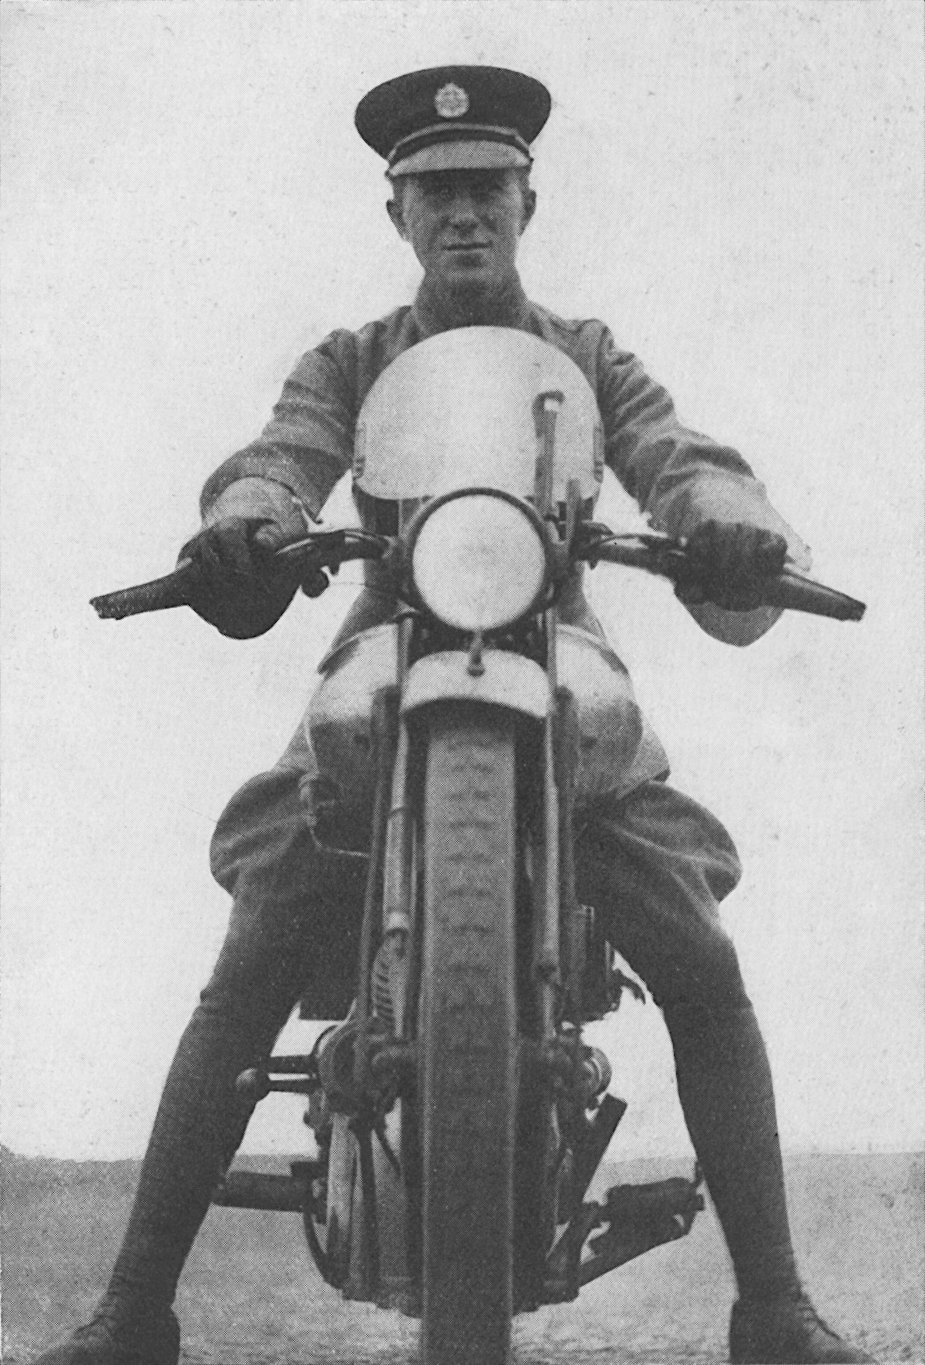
468,1037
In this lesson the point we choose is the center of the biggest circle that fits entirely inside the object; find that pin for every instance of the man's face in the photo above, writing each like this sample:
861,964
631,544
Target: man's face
464,226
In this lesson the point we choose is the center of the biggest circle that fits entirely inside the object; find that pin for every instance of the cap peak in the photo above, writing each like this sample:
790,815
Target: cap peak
454,117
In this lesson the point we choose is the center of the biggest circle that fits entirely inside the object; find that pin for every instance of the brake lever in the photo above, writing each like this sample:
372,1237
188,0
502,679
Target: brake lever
649,550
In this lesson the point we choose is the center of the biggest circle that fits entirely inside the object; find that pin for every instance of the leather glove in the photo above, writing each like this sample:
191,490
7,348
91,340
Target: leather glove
240,590
728,563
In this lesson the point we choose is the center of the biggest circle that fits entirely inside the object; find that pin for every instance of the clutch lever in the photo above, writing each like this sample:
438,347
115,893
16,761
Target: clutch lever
329,548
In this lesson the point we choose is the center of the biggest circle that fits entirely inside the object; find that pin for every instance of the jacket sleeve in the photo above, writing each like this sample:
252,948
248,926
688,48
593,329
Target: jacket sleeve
681,479
308,443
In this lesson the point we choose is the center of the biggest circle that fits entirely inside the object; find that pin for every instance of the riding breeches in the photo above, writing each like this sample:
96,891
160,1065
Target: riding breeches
655,864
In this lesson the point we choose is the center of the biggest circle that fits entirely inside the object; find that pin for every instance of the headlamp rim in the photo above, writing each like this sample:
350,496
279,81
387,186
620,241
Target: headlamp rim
424,513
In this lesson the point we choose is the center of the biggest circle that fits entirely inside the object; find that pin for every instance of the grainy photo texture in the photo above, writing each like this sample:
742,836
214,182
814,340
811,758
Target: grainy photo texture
551,989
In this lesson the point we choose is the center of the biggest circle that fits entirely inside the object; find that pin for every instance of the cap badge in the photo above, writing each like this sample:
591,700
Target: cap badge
451,101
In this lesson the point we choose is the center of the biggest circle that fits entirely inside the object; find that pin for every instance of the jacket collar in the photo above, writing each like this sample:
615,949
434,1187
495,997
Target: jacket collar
506,308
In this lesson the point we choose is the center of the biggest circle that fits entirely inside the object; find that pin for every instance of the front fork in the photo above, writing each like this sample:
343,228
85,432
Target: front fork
561,1079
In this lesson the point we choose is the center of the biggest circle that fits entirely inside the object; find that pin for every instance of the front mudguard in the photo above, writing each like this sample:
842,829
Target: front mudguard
500,679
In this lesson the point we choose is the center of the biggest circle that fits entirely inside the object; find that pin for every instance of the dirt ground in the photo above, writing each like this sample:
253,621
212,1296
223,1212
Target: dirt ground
250,1295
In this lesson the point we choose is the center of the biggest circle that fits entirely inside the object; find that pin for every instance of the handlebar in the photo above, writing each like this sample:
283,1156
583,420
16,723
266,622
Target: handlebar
173,590
329,549
321,550
662,555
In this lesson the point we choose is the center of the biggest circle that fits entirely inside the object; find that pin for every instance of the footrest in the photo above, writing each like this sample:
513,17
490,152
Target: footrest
259,1190
637,1218
633,1219
296,1075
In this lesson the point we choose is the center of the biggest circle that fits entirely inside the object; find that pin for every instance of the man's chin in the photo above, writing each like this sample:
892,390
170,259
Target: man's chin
468,278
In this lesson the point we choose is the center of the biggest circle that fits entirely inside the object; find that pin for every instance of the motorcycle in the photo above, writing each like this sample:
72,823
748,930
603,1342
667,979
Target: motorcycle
459,1115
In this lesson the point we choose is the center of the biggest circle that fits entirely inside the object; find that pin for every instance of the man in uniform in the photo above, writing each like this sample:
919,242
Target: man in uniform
457,142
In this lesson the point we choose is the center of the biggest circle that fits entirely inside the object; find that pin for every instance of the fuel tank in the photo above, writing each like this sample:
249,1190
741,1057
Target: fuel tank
338,722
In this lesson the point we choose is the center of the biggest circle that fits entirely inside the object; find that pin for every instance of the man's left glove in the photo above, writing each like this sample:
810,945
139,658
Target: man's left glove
240,589
729,563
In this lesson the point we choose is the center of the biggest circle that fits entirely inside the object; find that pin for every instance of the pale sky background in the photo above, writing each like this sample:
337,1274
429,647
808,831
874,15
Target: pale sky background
736,188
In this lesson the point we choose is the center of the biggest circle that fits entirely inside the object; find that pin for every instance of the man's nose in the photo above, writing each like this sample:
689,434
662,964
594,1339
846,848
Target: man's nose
463,213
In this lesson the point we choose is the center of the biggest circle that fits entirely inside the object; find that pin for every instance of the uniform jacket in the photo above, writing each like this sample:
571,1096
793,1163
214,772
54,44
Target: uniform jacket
678,477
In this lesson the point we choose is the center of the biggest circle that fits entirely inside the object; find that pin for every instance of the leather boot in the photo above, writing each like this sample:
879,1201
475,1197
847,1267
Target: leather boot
725,1086
114,1336
786,1331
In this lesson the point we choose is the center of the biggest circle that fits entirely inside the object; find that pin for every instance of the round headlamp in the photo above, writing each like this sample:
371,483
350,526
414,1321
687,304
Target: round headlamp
479,559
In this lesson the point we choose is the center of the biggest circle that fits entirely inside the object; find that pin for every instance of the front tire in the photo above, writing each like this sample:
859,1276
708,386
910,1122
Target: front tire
468,1036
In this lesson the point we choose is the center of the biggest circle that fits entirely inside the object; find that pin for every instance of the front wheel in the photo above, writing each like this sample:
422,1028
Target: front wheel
468,1036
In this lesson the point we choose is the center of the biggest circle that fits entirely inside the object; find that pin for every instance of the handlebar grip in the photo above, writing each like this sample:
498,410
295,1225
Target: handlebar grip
173,590
790,589
797,593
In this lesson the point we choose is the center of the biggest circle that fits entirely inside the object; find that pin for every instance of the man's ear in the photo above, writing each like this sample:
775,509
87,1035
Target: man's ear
529,209
393,209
